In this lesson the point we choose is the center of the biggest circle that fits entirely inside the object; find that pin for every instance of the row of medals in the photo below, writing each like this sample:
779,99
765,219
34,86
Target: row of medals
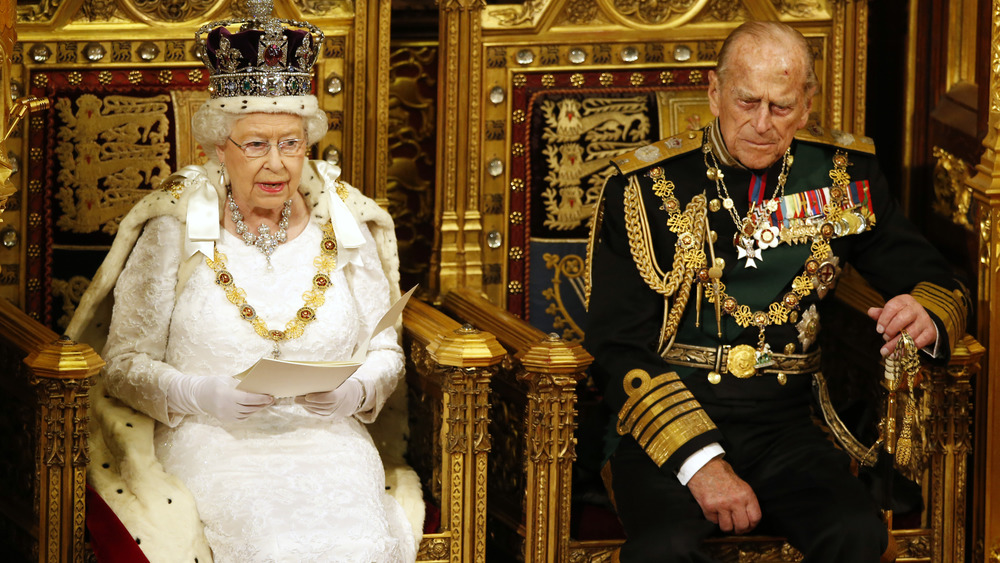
756,234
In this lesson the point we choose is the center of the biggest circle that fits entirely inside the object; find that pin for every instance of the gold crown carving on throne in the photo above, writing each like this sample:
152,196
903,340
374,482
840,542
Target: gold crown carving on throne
267,57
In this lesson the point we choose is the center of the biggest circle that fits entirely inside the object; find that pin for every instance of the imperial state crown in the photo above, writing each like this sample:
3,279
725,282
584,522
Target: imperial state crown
266,57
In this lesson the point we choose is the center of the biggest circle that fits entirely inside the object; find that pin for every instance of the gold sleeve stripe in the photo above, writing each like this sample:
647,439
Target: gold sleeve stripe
658,393
660,410
675,412
947,305
663,445
660,413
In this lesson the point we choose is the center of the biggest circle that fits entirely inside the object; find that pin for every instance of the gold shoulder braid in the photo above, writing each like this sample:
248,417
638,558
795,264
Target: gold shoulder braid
689,252
313,299
661,414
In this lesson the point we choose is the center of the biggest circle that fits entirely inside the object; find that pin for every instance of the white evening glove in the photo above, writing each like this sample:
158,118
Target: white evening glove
351,397
214,396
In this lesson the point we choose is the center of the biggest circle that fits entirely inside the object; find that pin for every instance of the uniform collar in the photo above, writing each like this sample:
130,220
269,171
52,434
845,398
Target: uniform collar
713,137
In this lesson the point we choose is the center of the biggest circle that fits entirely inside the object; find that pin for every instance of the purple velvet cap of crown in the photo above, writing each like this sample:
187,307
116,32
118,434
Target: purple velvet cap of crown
264,59
247,44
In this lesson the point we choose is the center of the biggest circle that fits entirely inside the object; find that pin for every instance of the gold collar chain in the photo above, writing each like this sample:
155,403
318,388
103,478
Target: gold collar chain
745,361
751,236
325,263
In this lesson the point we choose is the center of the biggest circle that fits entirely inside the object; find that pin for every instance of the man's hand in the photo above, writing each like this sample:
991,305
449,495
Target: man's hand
724,498
903,312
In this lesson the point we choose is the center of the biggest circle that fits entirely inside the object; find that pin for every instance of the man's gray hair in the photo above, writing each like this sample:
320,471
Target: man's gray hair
211,126
765,31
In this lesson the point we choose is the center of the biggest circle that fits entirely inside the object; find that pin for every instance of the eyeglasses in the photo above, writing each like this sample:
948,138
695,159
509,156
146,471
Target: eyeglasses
257,149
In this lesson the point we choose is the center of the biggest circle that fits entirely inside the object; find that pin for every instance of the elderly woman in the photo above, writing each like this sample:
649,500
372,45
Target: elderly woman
259,253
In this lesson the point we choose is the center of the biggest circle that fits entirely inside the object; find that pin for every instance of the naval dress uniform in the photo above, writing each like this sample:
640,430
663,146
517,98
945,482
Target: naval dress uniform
703,325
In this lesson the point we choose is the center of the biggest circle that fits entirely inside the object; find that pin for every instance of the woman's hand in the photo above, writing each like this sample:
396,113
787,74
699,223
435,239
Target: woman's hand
218,397
343,401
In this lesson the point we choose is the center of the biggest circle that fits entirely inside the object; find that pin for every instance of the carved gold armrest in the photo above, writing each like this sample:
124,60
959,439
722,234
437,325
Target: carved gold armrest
61,371
544,371
449,383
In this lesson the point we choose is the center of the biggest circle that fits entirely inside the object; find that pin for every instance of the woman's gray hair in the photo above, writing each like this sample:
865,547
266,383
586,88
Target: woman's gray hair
211,126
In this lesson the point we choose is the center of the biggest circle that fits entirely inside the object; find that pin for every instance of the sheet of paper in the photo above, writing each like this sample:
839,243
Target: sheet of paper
280,378
387,320
284,378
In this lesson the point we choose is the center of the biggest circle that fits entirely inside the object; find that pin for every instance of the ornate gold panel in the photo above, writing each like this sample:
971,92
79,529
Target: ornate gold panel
952,198
412,138
564,127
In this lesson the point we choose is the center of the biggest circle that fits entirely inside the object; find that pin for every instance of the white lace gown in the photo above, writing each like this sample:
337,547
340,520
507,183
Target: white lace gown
284,484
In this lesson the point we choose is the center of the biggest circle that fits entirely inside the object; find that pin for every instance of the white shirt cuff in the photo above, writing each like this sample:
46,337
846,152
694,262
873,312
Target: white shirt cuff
937,343
697,460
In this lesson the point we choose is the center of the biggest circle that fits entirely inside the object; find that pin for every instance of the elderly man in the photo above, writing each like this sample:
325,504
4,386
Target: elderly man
709,253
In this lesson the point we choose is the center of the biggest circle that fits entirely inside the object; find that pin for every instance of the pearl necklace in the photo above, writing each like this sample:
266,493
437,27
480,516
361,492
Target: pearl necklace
264,241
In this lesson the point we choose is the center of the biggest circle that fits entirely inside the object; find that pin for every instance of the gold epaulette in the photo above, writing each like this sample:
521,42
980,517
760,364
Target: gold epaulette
661,414
658,152
174,184
951,306
814,133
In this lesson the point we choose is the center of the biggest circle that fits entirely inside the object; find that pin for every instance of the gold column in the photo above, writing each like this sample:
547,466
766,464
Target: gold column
985,187
846,94
63,372
552,369
457,261
463,354
949,443
372,158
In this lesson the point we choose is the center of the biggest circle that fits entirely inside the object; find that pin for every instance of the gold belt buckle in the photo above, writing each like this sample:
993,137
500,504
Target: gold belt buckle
741,361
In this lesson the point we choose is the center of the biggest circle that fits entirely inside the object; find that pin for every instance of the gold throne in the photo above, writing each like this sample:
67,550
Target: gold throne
123,80
540,96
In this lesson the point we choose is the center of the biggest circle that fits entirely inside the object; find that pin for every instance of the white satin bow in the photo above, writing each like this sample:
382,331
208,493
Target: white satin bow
203,224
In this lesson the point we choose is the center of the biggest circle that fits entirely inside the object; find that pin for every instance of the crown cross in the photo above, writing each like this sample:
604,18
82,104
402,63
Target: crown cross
273,51
260,9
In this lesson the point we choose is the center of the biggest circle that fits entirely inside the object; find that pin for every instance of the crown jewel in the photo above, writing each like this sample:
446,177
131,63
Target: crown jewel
267,56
